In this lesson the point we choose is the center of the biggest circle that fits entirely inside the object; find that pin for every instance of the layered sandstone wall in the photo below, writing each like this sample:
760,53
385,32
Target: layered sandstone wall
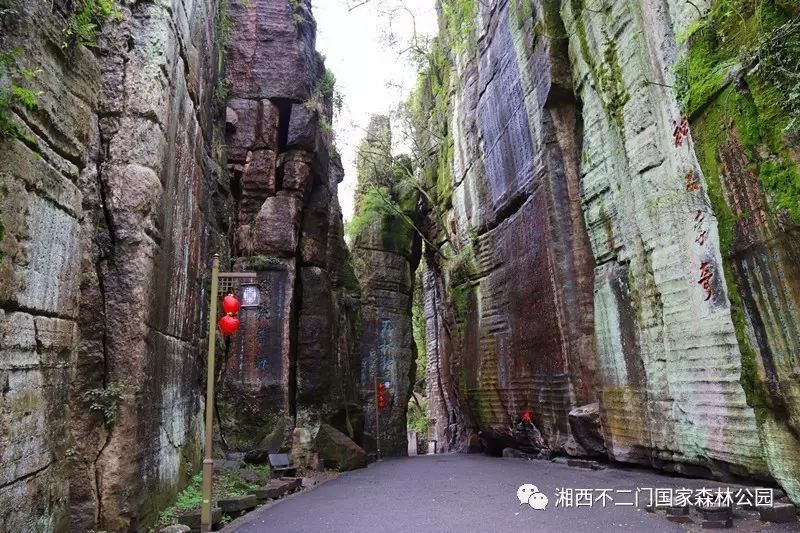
386,251
295,364
111,203
616,182
114,194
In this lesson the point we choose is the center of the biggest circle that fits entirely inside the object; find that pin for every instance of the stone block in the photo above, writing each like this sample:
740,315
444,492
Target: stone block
192,518
237,504
714,513
302,128
296,177
584,423
337,451
412,442
292,483
267,136
176,528
581,463
257,183
241,134
726,523
779,513
276,228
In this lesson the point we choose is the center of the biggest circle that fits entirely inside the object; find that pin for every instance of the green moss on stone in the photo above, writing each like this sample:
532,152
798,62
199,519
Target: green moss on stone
459,18
349,278
462,300
709,133
262,262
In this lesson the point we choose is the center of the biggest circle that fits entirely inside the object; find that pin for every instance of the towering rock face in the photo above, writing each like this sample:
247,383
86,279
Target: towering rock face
621,205
110,205
517,336
386,251
295,361
114,195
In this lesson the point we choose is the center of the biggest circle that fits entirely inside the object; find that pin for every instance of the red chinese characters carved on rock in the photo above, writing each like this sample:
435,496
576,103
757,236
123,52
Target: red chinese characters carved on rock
702,233
692,182
705,278
681,131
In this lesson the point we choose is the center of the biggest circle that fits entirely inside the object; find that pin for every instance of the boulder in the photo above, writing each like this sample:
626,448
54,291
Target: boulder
276,228
584,422
257,182
514,453
779,513
175,528
272,443
242,123
337,451
302,128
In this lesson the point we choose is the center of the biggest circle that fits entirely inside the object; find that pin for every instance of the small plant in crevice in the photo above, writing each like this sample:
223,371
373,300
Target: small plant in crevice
325,91
222,89
297,12
86,21
13,91
105,401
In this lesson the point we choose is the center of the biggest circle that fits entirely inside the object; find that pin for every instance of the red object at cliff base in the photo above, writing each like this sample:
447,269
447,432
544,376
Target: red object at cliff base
228,324
230,304
526,417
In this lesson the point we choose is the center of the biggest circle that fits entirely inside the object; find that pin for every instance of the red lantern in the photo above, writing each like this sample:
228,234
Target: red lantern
230,304
228,324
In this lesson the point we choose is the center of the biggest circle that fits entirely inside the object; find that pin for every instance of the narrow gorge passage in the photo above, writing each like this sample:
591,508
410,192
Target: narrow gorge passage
514,235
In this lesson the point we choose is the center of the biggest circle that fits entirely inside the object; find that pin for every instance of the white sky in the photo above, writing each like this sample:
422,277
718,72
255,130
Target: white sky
372,76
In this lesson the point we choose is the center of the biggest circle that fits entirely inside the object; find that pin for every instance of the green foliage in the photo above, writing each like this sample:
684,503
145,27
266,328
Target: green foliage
610,83
325,99
13,91
297,11
459,23
371,210
777,55
227,483
349,278
605,71
105,401
222,89
462,295
222,37
761,39
188,499
708,132
417,418
87,19
418,332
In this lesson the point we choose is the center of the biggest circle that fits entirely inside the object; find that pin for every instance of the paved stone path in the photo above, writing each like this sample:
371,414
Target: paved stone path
470,493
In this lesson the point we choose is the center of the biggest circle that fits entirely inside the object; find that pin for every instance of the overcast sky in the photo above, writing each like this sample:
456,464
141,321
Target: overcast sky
370,74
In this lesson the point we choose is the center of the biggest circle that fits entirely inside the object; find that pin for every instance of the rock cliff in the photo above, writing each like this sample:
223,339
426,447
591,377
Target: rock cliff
138,139
386,252
111,204
614,205
295,363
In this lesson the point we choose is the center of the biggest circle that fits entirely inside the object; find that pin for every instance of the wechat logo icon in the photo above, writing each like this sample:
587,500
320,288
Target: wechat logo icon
530,494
